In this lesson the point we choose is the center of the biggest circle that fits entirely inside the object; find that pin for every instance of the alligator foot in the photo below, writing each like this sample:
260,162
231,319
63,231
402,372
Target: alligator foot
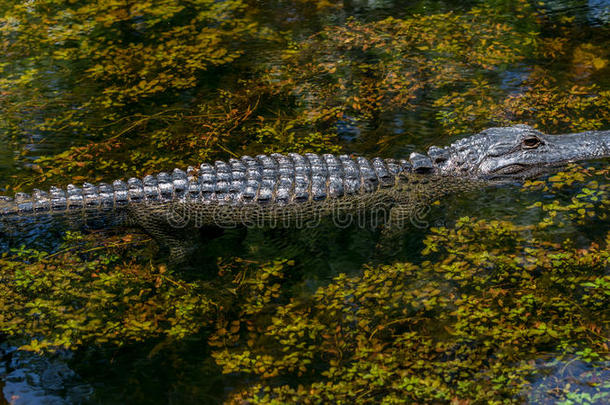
180,251
180,242
401,217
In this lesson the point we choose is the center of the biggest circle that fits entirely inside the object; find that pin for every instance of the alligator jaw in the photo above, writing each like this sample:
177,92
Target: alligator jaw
521,152
581,146
556,151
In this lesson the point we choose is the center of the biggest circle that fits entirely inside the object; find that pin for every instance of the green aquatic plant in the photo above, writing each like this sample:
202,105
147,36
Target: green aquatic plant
489,312
153,86
86,294
89,294
393,62
488,307
468,67
122,77
575,99
591,202
466,324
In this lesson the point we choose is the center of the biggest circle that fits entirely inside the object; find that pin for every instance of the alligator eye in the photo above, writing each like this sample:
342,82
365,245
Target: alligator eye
531,142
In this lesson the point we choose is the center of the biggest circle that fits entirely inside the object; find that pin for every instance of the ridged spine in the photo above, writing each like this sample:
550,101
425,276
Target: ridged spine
264,179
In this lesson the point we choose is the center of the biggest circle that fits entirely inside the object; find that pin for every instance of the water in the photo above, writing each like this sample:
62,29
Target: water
562,86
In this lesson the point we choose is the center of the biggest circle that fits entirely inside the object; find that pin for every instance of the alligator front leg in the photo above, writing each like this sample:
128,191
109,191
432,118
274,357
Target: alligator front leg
179,239
400,217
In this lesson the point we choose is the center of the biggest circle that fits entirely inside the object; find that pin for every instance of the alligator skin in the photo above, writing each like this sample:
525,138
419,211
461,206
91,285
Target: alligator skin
310,185
275,179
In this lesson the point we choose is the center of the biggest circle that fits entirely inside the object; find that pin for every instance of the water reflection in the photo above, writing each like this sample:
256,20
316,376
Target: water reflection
599,12
33,379
589,12
571,380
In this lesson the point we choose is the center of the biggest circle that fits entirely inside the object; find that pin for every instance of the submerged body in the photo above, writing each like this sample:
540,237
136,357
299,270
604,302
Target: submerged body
298,190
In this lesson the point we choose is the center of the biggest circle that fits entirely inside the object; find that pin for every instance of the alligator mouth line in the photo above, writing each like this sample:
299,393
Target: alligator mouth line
525,170
512,169
518,171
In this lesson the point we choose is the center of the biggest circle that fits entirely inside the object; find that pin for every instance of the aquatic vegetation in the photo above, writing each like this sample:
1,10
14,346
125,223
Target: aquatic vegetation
86,294
484,310
592,201
463,70
121,77
398,64
465,324
89,294
491,304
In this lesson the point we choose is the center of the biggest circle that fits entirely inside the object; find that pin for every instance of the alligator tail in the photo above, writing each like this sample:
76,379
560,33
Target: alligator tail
164,187
89,197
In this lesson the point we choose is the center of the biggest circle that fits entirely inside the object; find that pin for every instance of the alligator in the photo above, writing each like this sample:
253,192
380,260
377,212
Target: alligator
297,190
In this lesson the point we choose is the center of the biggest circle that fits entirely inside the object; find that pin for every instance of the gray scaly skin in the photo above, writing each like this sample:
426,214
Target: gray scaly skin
268,189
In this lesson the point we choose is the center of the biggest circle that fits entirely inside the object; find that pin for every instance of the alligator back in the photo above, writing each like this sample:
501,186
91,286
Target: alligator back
275,180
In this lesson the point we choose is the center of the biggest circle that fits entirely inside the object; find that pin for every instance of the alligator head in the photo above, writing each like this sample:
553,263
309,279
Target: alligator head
518,152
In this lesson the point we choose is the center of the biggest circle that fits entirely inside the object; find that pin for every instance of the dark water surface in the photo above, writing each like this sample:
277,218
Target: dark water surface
188,374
